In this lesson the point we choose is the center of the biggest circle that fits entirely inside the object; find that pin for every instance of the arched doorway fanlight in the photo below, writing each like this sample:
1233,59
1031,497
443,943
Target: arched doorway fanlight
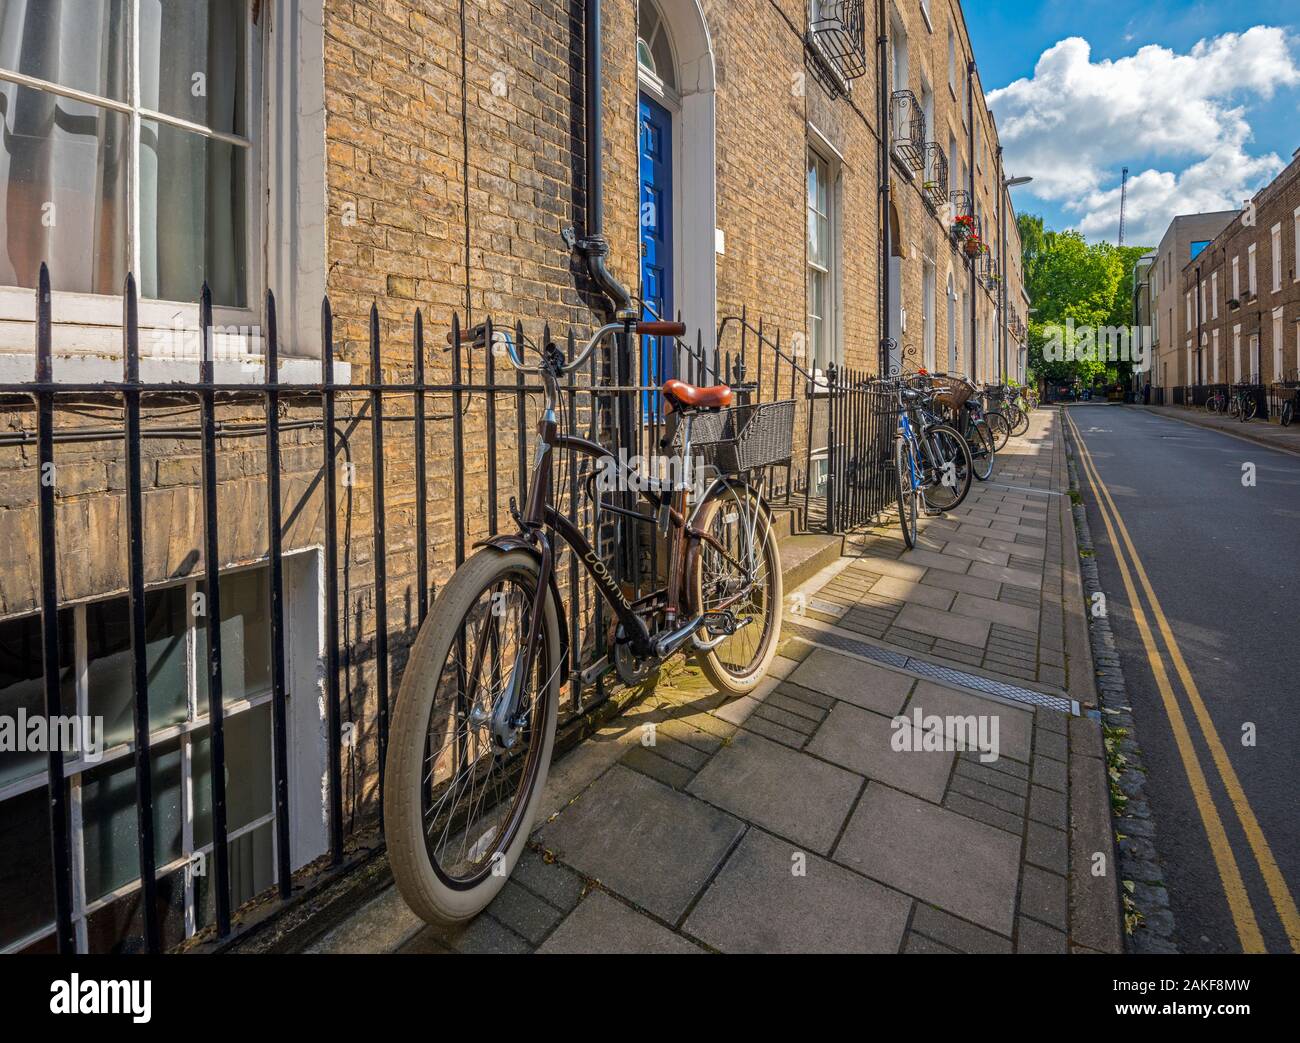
654,52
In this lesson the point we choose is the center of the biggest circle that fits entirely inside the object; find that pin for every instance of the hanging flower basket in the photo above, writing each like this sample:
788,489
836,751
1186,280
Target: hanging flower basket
964,227
972,246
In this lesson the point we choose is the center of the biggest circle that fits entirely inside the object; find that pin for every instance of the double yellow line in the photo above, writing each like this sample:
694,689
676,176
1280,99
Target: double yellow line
1243,913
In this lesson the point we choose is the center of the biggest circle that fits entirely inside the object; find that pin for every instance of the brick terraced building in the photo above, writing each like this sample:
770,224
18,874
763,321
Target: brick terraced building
397,154
1241,293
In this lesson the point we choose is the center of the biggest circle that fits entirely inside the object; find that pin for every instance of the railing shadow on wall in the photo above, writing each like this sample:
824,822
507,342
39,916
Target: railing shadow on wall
433,445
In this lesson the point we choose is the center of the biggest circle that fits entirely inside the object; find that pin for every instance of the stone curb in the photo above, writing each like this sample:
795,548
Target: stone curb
1138,862
1096,921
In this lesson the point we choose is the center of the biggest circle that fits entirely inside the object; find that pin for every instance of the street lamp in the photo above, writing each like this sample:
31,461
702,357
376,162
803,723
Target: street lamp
1007,182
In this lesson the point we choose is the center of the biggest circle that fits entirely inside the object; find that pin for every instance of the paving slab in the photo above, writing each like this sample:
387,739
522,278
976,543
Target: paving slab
906,590
605,926
625,828
1005,574
853,680
964,867
782,790
1019,616
771,897
984,588
863,742
963,629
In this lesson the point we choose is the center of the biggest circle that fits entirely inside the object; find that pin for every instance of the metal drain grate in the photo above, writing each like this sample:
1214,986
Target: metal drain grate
932,671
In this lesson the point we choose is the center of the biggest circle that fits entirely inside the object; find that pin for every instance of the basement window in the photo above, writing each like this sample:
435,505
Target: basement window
96,662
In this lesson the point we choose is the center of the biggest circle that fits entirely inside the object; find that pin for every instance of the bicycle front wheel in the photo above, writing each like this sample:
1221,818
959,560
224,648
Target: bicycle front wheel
1288,411
982,449
907,497
737,570
459,801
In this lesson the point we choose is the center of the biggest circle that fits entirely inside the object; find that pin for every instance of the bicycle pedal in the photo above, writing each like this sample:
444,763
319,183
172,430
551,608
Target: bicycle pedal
719,623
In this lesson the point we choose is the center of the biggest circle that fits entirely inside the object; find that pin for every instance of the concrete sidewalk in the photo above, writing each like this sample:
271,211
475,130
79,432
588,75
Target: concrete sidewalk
1262,432
796,819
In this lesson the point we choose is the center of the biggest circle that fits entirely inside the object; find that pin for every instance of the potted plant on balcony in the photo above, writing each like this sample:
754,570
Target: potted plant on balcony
963,228
972,245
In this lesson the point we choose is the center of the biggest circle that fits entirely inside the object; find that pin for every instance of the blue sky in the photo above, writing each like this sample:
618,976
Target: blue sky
1206,114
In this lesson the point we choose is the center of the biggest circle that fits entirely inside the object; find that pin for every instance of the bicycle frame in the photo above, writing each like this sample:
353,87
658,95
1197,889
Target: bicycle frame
539,519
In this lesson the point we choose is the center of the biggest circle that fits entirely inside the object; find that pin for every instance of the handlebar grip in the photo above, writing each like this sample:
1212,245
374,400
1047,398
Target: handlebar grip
661,329
468,336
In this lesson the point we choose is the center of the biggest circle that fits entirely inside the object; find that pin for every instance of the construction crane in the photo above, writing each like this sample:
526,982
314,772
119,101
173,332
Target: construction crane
1123,194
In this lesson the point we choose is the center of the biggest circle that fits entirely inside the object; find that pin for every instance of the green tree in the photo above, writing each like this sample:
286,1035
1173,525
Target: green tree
1068,278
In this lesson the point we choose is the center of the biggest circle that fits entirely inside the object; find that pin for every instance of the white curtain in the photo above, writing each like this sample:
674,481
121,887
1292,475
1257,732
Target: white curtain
192,189
63,164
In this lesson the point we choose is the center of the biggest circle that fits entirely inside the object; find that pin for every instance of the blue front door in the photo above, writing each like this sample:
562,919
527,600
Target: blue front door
656,173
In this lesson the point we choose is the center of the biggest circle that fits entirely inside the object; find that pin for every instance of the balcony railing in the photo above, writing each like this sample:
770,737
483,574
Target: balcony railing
936,176
987,270
907,127
837,33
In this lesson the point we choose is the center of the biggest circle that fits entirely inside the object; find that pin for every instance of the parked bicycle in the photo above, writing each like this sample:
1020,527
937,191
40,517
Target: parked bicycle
999,401
958,396
1217,401
1243,406
475,719
932,460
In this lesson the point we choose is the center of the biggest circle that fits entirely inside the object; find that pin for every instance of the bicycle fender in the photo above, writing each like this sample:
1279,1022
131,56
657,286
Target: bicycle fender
723,482
507,542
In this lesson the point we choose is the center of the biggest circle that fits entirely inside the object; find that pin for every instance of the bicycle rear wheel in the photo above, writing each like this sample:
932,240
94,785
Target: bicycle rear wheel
947,476
458,805
1018,419
980,441
1000,428
1288,411
740,574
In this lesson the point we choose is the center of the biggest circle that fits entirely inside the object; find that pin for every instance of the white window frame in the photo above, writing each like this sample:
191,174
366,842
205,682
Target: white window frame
1277,344
1214,294
1236,278
1214,358
303,606
1236,353
285,236
925,13
831,272
1275,250
1251,284
1187,298
952,63
1295,231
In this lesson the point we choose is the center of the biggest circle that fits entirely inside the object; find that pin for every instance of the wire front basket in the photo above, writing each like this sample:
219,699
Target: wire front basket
744,437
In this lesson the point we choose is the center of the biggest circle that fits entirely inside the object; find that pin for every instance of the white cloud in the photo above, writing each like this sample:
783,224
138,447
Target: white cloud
1076,121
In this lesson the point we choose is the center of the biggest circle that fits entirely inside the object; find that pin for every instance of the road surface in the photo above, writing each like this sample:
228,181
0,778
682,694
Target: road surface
1222,558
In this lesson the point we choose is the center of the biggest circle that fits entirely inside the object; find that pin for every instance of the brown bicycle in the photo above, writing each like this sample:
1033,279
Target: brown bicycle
475,720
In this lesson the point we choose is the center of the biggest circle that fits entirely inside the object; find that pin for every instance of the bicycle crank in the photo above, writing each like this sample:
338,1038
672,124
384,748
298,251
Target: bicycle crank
632,669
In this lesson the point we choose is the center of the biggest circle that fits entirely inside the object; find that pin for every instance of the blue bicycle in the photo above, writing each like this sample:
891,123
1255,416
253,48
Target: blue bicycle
932,462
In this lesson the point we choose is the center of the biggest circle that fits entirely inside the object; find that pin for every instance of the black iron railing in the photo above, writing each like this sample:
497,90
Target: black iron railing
438,408
935,179
907,128
837,34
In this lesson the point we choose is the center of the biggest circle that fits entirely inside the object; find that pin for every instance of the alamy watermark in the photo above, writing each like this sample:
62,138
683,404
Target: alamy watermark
1068,342
82,737
920,732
